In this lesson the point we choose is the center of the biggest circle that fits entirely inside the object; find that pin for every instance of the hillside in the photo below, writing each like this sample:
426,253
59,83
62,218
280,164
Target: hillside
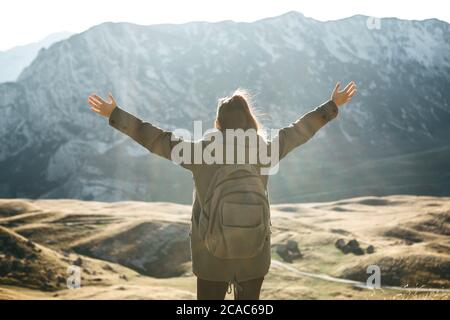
139,250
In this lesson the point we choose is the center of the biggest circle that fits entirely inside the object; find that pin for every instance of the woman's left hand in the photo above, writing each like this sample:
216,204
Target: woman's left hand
100,106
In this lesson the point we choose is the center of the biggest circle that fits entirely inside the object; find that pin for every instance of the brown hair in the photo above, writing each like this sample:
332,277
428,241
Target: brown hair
236,112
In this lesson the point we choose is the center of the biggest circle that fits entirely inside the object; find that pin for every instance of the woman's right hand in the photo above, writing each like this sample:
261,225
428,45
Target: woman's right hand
342,97
100,106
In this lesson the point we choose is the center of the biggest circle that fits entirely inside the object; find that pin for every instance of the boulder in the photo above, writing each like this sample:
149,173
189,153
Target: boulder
346,249
353,244
358,251
289,251
340,244
283,252
292,246
293,249
78,262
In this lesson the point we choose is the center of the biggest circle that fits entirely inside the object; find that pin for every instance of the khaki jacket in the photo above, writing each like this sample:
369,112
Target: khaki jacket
162,142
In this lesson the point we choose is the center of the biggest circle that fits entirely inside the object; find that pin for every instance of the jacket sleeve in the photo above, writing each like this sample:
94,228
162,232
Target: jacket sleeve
156,140
304,128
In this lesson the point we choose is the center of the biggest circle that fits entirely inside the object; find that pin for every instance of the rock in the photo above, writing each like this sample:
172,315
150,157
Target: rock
353,244
370,249
78,262
346,249
340,244
108,268
355,248
124,277
358,251
289,251
283,252
293,249
292,245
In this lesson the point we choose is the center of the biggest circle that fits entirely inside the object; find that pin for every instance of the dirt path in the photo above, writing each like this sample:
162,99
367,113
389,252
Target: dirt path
363,285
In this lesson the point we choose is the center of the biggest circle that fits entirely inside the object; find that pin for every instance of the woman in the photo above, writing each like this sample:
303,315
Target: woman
214,274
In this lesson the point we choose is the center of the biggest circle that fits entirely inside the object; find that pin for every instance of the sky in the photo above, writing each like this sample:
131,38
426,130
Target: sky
26,21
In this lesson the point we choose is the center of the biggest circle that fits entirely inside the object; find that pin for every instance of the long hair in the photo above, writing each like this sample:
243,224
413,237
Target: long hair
236,112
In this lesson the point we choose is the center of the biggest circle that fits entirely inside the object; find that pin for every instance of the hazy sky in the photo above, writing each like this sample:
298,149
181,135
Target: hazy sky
25,21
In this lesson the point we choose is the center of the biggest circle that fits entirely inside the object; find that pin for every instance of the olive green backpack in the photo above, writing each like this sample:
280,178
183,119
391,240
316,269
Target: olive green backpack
234,222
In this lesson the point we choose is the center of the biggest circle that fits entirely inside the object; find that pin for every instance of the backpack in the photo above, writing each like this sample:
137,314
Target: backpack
234,221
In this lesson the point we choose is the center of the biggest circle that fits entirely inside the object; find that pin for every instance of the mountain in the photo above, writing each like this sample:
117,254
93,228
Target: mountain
391,139
14,60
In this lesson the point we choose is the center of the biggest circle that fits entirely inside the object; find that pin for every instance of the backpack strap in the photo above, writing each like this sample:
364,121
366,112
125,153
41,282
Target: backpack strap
227,169
197,196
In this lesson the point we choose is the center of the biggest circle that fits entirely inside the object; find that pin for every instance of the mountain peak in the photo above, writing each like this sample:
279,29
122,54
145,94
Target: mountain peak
173,75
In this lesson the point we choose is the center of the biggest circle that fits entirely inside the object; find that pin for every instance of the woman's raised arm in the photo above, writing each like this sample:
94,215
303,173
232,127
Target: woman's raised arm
156,140
307,125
